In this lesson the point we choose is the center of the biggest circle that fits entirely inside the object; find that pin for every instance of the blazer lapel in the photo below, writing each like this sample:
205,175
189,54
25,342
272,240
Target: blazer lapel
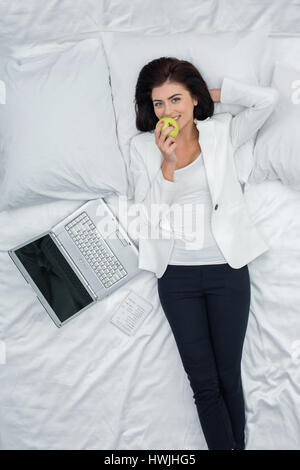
213,163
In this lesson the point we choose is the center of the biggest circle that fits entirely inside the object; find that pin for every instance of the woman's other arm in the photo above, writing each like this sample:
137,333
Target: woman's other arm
259,102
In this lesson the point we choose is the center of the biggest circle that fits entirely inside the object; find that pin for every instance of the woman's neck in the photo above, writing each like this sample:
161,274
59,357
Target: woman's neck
188,138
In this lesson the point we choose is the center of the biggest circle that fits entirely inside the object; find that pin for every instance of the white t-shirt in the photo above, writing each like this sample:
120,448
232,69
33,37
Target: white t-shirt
190,218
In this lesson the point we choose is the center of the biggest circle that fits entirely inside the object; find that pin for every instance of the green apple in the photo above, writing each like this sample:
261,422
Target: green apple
169,122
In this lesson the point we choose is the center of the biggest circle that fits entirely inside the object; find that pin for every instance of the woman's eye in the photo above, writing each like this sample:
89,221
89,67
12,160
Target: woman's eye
172,100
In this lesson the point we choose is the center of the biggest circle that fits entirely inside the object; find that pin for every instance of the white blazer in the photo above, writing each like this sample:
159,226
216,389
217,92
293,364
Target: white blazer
219,138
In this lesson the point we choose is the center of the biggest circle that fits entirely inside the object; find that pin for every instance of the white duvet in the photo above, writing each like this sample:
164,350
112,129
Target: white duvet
90,386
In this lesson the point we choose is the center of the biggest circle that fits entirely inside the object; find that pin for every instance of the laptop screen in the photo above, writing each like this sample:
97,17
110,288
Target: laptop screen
54,277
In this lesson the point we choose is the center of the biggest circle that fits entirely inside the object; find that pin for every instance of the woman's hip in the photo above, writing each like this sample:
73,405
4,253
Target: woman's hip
178,280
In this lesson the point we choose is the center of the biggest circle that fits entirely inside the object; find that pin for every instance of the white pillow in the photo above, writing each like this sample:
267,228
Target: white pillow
57,129
283,49
277,147
233,54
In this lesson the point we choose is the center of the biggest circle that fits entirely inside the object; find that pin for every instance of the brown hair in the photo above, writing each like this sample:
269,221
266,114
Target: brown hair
155,74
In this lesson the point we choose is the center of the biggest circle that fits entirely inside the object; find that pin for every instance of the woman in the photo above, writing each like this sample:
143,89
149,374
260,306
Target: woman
204,289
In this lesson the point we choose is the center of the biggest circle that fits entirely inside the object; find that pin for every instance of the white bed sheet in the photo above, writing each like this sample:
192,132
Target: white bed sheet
90,386
47,19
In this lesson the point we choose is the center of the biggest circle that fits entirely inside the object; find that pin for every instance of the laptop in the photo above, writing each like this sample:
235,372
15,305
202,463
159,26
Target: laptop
82,259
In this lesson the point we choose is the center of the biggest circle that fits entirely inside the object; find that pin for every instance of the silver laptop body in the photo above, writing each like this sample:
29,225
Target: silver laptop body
81,260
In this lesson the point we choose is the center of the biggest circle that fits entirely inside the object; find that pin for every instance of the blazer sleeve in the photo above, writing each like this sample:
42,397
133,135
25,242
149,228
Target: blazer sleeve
259,102
147,191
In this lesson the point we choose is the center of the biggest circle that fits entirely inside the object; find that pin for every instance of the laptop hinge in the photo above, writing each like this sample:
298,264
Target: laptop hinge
71,262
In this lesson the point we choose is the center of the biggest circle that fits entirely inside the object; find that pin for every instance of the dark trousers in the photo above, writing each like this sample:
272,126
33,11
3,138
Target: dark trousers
207,307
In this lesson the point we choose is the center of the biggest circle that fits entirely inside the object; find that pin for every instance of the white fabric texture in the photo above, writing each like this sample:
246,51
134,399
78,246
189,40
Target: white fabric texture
88,385
277,147
57,127
74,17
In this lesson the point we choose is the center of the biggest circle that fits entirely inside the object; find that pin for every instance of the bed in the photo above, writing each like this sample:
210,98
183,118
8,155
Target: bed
66,119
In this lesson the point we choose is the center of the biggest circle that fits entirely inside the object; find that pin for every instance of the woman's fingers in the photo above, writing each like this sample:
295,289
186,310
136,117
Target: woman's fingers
166,132
162,135
165,143
165,140
170,140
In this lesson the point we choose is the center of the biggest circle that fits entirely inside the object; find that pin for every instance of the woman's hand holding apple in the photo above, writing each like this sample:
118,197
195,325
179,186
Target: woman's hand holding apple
167,145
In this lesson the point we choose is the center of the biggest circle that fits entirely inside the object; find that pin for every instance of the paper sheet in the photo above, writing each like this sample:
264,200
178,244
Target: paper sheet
131,313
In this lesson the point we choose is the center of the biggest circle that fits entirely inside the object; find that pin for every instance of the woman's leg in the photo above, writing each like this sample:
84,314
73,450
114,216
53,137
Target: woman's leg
184,306
228,312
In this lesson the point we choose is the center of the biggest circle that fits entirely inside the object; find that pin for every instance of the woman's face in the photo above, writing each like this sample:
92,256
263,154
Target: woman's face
171,100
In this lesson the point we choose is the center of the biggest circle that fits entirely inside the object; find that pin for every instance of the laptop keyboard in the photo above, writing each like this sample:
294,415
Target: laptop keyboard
95,250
